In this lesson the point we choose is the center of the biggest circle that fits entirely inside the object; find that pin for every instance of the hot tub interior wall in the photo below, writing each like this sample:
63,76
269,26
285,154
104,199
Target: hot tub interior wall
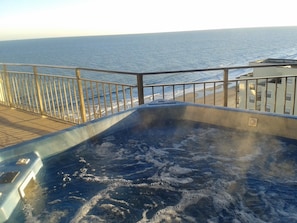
271,124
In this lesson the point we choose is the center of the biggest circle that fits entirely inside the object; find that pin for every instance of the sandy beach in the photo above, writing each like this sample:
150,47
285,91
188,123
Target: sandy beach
210,97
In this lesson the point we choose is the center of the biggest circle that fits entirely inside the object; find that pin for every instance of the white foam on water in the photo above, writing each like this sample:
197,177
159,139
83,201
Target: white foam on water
177,170
92,218
166,177
84,210
175,213
104,149
153,156
52,217
248,217
54,202
222,200
29,217
55,216
175,147
77,198
202,157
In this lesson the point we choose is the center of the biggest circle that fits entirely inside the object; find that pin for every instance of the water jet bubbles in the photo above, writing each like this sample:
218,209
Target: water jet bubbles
28,212
222,200
106,149
83,170
82,160
144,147
106,145
178,170
66,178
113,213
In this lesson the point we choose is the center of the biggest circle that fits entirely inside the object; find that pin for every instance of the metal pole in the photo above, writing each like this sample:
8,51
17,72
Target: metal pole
37,84
8,89
81,96
225,87
140,89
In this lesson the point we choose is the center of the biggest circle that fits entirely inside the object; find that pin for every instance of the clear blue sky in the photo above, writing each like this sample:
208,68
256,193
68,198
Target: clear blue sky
23,19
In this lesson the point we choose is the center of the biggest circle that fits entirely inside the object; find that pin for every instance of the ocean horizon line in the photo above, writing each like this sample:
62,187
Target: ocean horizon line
145,33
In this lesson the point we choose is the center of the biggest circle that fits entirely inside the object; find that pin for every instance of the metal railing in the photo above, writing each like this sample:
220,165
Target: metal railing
81,94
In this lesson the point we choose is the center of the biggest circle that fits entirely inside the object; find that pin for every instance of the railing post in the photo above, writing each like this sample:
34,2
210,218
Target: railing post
37,85
225,87
81,96
7,84
140,89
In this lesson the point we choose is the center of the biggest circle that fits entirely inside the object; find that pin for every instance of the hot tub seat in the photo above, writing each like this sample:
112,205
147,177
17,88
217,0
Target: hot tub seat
15,175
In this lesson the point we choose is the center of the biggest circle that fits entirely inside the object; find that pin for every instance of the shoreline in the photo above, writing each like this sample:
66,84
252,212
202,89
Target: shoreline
211,97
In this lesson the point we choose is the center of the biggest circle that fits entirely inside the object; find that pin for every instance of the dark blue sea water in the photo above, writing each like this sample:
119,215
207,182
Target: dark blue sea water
157,52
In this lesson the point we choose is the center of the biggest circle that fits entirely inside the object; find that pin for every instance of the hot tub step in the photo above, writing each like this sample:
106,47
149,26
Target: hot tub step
15,175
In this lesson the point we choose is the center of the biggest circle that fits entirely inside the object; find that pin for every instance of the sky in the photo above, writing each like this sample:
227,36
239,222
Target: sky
30,19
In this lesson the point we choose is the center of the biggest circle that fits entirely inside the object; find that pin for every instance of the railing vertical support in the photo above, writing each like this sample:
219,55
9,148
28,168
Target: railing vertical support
8,89
140,89
81,96
37,84
226,87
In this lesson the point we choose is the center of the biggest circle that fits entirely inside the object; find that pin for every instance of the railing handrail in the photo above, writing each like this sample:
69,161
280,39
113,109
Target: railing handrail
218,68
155,72
169,84
71,77
38,65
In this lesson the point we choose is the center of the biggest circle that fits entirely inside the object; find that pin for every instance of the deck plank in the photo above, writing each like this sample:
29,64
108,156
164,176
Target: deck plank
18,126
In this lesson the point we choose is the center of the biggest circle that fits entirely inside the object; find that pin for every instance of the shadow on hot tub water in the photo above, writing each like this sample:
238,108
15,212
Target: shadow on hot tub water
169,174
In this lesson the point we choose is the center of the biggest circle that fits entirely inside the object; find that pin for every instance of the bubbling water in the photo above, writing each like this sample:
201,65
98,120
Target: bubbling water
172,172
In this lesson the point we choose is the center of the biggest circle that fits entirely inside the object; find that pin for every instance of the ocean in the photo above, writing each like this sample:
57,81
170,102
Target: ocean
158,51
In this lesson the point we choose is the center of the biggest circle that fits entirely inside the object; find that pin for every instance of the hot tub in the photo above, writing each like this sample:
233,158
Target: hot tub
160,162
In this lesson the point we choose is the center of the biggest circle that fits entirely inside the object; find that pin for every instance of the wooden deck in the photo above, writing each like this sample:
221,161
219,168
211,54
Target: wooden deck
18,126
